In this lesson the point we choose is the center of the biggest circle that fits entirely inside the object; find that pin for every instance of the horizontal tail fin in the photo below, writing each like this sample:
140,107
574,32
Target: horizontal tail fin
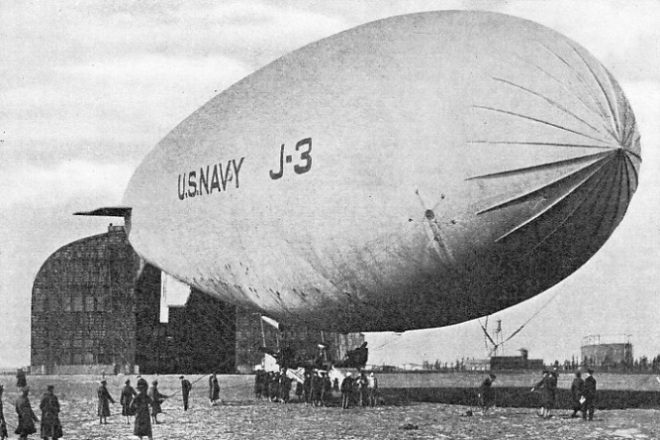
108,211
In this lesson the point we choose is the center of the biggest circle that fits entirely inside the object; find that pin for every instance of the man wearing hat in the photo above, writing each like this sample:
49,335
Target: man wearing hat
127,394
26,416
104,402
486,392
141,404
346,391
156,400
589,394
50,415
186,386
372,385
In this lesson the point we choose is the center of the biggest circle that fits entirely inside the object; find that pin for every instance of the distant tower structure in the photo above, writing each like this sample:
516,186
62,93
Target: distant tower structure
494,344
499,340
606,350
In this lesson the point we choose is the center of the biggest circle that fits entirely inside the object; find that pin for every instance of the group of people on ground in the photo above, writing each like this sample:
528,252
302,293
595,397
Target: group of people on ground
51,428
273,386
583,393
361,390
144,404
316,388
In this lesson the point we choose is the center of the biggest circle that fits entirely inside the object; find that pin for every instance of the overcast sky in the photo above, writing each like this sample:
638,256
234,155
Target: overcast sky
86,90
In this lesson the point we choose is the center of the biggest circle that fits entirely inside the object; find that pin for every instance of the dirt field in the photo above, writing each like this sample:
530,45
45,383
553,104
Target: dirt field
243,417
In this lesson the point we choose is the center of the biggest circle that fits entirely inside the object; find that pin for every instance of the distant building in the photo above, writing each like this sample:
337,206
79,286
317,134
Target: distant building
96,306
477,364
412,367
522,362
606,350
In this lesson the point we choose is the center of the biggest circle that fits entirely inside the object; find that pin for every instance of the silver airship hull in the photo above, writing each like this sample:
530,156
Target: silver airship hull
413,172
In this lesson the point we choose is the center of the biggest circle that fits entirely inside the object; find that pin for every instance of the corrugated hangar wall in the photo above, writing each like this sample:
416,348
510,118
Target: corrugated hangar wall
83,304
95,307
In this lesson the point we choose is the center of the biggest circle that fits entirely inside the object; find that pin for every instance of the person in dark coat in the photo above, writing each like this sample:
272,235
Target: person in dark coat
576,393
307,386
26,416
546,387
156,400
326,393
285,388
373,389
362,389
50,415
127,394
3,422
140,406
186,386
257,384
21,380
214,389
589,394
554,379
274,387
486,393
104,402
317,388
346,391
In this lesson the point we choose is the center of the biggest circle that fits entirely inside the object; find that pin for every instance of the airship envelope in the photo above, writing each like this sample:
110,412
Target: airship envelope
413,172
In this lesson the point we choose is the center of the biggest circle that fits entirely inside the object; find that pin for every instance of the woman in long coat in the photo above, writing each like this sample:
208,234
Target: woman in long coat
214,389
104,402
140,406
156,399
127,394
26,416
50,415
547,385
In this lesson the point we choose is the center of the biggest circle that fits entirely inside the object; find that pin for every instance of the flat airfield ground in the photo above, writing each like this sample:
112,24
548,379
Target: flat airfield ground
241,416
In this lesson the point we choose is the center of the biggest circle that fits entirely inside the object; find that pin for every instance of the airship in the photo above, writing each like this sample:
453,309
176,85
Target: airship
413,172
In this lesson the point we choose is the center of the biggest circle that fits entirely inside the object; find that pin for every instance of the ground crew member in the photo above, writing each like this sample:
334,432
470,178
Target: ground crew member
346,391
577,388
362,389
26,416
125,399
589,393
214,390
140,406
50,415
186,386
372,386
307,386
545,385
486,393
156,400
326,393
104,402
285,388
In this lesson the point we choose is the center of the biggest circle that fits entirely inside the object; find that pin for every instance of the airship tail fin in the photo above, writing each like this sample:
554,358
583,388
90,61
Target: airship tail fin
108,211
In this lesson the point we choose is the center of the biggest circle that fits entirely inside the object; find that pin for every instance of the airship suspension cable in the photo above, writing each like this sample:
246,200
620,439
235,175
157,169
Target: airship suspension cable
386,343
532,317
519,328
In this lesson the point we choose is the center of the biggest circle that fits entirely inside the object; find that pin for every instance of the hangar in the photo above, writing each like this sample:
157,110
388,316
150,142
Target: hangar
96,307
